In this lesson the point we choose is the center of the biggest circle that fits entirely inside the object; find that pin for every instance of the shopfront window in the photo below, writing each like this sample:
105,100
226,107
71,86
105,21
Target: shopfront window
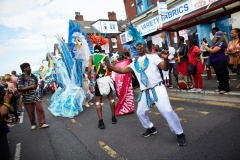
149,3
143,5
140,8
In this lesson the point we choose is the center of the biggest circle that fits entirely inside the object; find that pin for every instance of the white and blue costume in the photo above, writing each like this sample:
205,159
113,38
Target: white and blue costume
152,90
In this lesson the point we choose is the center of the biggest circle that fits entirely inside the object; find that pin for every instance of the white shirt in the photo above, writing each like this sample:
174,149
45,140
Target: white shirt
171,51
152,71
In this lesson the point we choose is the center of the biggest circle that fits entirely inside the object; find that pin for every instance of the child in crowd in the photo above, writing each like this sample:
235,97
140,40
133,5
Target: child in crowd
88,94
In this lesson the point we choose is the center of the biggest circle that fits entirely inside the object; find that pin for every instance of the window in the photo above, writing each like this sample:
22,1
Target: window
114,42
143,5
112,26
149,3
105,26
140,8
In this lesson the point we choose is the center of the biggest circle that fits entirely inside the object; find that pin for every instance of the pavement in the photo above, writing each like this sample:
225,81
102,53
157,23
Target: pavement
209,86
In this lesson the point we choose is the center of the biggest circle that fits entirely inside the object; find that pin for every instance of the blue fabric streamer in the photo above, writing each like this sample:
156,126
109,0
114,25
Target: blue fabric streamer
79,74
67,59
155,97
140,96
148,98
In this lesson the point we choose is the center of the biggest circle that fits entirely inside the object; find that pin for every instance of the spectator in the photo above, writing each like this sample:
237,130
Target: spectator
184,80
5,153
27,84
172,63
2,79
233,51
219,61
14,78
194,59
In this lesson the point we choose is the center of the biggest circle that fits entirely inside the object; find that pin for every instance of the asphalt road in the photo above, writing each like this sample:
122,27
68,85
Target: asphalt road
212,132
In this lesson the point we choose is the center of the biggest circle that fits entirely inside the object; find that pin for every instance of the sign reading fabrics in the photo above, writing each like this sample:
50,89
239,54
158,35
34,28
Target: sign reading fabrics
176,12
184,8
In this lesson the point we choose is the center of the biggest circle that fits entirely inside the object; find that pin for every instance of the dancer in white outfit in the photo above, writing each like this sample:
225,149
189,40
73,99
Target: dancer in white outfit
152,90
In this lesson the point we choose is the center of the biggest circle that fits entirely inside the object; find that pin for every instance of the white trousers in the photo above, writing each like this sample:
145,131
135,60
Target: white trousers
165,74
164,108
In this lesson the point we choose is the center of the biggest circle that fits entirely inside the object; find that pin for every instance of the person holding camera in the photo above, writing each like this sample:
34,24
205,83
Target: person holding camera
4,148
27,84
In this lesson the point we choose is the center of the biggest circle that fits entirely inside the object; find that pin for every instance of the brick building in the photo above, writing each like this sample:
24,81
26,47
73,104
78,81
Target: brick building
106,27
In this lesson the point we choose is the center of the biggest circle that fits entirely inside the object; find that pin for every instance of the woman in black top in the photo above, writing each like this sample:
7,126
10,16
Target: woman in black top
184,79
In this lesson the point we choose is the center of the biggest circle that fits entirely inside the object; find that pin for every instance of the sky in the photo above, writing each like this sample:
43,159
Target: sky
27,27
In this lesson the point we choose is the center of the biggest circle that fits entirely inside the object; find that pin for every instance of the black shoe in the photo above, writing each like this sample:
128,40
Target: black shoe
101,124
181,141
114,120
149,132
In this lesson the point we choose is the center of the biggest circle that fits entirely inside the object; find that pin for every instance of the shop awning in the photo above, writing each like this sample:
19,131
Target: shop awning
215,10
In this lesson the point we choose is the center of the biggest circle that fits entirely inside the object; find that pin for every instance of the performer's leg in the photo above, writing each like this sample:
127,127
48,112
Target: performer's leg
143,117
166,110
112,105
142,112
99,106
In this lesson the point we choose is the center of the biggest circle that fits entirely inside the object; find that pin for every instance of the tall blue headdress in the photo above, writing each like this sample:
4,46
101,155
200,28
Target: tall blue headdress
136,36
136,39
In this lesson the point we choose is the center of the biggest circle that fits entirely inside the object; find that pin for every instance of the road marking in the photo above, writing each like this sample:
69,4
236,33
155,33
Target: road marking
225,104
179,109
110,152
21,118
17,151
74,121
182,119
203,112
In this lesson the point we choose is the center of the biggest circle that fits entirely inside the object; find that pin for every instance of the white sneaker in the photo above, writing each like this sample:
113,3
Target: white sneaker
33,127
199,90
193,89
87,105
90,103
44,126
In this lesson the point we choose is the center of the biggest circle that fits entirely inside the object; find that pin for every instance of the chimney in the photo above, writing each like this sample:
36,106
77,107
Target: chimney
78,16
112,16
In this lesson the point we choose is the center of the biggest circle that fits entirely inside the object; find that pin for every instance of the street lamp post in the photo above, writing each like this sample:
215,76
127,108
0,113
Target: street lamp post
46,42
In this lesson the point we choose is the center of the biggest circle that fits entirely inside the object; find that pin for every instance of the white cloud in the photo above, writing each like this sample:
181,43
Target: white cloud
45,17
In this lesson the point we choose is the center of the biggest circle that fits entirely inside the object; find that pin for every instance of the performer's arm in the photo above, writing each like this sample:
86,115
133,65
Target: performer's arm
123,70
89,67
23,88
3,109
164,65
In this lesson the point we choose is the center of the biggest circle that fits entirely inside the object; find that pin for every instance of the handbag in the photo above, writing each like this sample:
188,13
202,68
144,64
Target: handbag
192,69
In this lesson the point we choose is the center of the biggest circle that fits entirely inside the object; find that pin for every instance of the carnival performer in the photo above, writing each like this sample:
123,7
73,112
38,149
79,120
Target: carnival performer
103,85
145,67
152,89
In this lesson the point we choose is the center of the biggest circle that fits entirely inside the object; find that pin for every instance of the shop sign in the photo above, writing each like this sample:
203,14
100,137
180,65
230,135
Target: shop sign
162,8
176,12
197,4
125,37
150,25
